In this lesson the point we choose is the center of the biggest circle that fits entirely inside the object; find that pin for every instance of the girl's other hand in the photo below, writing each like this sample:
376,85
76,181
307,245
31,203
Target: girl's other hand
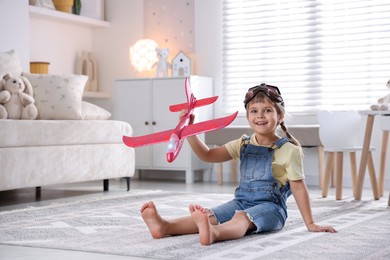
316,228
183,113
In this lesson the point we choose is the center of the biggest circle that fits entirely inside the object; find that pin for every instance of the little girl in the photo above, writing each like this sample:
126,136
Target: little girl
271,168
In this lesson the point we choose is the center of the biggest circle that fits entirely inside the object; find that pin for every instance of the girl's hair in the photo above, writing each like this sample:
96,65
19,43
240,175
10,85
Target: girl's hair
261,97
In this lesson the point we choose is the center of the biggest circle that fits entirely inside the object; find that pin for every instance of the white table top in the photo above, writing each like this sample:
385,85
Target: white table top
374,112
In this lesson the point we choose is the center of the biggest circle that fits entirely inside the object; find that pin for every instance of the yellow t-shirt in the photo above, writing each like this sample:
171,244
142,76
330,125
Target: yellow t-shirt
287,162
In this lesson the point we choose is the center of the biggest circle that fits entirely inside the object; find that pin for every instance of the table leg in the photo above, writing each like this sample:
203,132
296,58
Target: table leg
364,156
220,173
371,171
233,171
328,172
382,169
190,176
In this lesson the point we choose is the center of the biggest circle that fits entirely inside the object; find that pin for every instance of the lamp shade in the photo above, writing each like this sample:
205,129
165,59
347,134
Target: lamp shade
143,54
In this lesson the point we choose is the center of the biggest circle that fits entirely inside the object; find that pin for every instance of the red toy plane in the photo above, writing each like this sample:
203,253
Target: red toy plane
176,136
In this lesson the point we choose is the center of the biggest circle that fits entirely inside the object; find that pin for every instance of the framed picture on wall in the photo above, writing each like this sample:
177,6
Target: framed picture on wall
92,9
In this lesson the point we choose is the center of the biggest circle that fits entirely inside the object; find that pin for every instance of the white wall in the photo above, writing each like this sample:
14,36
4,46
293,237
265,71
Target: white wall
111,45
58,43
14,28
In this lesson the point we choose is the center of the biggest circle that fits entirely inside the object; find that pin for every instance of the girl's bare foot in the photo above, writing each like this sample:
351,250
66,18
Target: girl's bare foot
200,217
153,220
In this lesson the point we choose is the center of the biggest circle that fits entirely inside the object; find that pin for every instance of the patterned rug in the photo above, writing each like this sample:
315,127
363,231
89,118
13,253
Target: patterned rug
111,224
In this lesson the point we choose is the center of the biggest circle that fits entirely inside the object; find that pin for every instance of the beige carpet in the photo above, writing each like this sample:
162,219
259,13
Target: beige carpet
112,225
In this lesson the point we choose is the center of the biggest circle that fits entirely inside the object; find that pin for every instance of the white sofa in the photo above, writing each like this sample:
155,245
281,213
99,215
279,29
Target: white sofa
71,140
35,153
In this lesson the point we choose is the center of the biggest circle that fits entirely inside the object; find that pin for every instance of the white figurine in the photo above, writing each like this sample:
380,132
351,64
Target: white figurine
162,64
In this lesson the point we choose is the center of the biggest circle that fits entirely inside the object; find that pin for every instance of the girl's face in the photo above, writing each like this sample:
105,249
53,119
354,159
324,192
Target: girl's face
263,118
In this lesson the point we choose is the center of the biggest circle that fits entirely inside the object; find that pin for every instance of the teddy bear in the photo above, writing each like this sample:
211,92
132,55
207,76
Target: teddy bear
162,63
384,102
4,97
20,104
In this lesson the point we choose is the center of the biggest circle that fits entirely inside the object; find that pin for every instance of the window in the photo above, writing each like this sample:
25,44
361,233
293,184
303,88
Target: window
322,54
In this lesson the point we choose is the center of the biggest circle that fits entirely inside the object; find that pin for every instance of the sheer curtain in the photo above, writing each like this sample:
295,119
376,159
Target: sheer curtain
322,54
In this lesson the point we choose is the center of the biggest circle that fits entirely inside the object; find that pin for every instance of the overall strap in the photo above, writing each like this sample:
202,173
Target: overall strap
279,143
246,139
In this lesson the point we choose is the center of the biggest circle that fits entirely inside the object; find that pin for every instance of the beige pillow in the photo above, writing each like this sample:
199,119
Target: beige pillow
91,111
58,96
10,63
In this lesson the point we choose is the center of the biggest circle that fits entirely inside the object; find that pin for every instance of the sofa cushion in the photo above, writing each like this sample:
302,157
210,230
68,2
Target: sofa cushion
23,133
90,111
10,63
58,96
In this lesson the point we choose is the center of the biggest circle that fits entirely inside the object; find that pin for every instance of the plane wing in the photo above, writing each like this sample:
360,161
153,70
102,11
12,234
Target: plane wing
137,141
190,130
207,126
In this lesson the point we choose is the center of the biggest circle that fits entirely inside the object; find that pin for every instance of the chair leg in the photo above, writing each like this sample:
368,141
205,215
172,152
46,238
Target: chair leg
233,171
388,202
352,157
320,166
328,172
339,175
371,170
382,169
333,175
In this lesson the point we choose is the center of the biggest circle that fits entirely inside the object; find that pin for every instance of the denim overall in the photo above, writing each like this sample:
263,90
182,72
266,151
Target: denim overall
258,194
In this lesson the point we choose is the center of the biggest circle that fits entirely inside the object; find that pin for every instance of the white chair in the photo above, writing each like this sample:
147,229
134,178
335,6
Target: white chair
385,126
339,133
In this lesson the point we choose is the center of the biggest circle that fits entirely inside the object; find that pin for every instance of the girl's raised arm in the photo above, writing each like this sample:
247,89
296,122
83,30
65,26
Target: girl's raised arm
206,154
212,155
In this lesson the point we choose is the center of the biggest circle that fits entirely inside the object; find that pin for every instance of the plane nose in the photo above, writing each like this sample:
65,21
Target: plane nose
170,157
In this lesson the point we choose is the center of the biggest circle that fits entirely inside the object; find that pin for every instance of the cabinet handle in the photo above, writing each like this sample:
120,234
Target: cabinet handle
146,123
153,123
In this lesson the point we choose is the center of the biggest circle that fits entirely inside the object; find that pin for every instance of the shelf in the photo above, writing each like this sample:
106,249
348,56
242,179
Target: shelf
90,94
53,15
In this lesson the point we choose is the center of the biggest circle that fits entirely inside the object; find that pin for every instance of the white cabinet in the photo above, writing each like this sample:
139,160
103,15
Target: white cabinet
144,103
